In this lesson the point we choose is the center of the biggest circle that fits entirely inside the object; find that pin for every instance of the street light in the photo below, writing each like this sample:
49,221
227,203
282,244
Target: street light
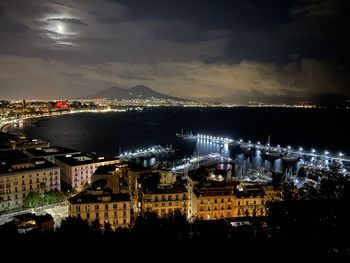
289,147
326,152
341,154
313,150
300,149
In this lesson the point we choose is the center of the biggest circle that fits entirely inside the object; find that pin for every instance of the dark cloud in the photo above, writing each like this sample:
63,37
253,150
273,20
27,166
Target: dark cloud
242,50
68,20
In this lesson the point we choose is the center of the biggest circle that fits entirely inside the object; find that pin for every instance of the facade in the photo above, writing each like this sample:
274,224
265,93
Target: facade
114,209
77,170
214,198
166,200
252,200
21,177
165,195
213,202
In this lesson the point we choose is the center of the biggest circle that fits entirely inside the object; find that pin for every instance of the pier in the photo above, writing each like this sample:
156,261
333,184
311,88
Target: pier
149,152
193,163
272,149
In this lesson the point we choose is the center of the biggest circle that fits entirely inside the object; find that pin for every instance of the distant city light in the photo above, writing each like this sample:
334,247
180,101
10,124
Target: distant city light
326,152
341,154
300,149
313,150
289,147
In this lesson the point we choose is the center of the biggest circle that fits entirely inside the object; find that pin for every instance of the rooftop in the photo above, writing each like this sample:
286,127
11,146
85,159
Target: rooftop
81,159
10,155
29,164
52,150
88,197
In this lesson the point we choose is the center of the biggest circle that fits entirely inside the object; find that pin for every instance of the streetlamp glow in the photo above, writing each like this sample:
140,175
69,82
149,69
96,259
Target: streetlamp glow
300,149
313,150
341,154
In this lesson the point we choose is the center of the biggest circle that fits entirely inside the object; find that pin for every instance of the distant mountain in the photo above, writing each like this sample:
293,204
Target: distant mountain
137,92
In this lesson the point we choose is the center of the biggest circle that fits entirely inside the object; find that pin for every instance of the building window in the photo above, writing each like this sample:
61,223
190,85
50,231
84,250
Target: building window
106,214
96,207
115,206
106,207
124,213
124,221
124,206
97,215
88,215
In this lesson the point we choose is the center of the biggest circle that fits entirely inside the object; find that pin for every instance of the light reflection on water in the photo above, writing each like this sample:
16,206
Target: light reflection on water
244,161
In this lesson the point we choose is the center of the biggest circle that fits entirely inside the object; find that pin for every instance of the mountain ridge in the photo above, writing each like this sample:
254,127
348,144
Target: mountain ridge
136,92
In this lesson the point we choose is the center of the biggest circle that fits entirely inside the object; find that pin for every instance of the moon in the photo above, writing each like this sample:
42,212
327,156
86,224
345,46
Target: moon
60,28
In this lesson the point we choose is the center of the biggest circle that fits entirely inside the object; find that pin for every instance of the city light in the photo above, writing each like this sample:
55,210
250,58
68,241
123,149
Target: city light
300,149
326,152
313,150
289,147
341,154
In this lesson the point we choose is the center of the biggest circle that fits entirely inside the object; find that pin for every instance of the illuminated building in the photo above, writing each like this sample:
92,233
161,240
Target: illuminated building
215,197
61,105
166,200
21,177
114,209
166,195
78,169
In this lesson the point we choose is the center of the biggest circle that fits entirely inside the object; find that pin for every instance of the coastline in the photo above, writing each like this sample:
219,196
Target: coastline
4,124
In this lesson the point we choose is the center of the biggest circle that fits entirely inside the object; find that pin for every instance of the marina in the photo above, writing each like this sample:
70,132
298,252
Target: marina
275,152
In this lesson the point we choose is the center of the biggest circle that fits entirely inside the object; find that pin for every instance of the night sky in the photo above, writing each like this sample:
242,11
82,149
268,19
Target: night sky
227,51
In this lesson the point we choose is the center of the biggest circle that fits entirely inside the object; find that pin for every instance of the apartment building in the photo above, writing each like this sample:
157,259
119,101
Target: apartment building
78,169
114,209
18,178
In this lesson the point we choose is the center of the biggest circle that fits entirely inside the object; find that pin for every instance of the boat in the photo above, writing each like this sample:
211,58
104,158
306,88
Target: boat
271,155
186,135
291,157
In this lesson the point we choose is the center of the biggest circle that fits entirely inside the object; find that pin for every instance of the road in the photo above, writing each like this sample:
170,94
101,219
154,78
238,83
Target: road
58,212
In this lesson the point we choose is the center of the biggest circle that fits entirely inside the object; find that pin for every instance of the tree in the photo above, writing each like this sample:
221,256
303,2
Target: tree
54,196
32,200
